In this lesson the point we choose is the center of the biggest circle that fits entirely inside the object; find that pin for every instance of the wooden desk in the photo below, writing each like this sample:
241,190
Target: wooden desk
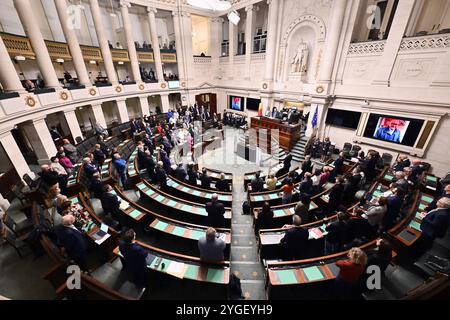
175,207
288,134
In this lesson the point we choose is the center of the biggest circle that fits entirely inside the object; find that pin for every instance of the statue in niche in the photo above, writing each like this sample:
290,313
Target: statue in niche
300,60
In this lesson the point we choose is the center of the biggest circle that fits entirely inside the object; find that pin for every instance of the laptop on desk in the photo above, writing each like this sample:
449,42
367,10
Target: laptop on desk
102,232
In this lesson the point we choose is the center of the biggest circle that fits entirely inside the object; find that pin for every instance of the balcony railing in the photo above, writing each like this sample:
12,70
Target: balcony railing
435,41
366,48
202,59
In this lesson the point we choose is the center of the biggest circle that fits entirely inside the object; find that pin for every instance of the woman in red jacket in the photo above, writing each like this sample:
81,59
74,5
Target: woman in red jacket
350,272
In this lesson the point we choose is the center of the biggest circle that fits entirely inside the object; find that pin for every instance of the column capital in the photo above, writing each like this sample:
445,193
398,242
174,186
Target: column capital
269,2
152,10
249,7
125,3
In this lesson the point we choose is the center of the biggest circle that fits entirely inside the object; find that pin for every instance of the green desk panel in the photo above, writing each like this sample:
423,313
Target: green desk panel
258,198
215,275
159,198
178,231
161,225
415,225
286,276
171,203
195,234
427,199
134,214
313,274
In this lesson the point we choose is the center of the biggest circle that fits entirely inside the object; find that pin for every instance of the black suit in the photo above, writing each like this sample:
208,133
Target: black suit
161,177
436,223
206,181
180,173
295,240
134,262
216,212
222,185
111,205
306,186
335,197
257,184
192,177
338,165
287,162
307,166
73,242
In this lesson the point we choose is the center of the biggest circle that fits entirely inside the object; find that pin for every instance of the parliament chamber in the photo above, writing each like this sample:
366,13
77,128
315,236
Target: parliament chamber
224,150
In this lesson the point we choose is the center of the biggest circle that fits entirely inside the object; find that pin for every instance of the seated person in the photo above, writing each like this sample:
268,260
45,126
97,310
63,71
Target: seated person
271,182
211,247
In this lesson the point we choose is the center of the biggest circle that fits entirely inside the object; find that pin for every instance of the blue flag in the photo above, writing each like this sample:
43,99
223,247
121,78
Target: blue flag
314,119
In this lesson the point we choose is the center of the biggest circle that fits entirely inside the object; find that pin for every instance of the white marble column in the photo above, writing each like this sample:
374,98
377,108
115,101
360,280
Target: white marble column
124,5
143,105
271,40
231,44
31,27
123,111
103,42
398,28
14,153
165,105
72,41
248,40
40,139
99,117
8,76
178,45
72,123
215,41
186,38
155,43
326,69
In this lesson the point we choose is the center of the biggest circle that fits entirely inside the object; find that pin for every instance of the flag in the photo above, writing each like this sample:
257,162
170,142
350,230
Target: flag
314,119
260,110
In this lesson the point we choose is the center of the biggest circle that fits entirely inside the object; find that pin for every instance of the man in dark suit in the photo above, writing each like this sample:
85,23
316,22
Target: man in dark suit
306,185
287,163
192,175
257,183
394,204
140,154
216,212
335,195
160,175
435,224
180,172
134,258
338,165
111,203
72,242
205,180
402,163
295,240
307,166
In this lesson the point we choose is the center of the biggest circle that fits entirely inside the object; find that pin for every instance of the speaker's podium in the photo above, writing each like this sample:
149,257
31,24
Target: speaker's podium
288,134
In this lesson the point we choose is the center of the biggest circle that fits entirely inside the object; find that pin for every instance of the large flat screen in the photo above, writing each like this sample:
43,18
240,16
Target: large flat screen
343,118
393,129
175,84
237,103
253,104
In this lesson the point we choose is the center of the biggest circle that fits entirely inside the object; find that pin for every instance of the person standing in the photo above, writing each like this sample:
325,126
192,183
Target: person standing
295,240
216,212
134,258
211,247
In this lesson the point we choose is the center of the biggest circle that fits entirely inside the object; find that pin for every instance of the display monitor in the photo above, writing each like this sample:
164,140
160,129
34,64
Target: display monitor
237,103
393,129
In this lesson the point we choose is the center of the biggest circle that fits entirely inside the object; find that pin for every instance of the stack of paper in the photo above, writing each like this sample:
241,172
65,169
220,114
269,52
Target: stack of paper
176,269
316,233
124,205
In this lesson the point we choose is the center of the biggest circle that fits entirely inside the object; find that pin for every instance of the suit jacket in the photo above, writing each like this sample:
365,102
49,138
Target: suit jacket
287,162
134,257
338,164
402,165
180,173
206,181
216,212
222,185
335,196
436,223
295,239
257,185
72,240
307,166
161,176
110,203
305,186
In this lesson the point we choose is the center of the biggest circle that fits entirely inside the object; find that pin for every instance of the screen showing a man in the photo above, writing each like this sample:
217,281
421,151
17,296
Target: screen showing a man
391,129
236,103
